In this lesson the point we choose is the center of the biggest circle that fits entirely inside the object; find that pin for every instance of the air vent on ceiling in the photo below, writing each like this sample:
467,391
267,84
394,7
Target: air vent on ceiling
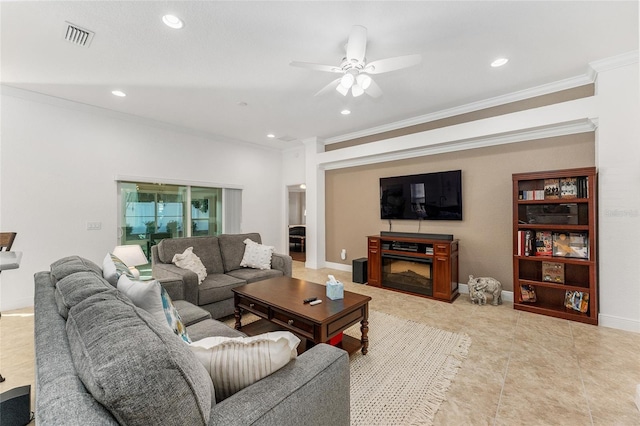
77,35
287,138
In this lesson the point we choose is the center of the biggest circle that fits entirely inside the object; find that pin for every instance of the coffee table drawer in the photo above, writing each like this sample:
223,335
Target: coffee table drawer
252,306
293,323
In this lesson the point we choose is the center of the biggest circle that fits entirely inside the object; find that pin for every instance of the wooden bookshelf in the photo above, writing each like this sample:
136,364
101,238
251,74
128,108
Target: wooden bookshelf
560,208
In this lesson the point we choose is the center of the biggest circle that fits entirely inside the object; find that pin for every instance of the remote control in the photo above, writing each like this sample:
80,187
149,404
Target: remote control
310,299
315,302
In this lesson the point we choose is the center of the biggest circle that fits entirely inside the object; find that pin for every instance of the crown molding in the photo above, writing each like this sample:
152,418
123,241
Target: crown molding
562,129
545,89
614,62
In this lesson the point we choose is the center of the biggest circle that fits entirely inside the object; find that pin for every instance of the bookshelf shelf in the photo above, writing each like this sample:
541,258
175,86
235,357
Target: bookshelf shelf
554,213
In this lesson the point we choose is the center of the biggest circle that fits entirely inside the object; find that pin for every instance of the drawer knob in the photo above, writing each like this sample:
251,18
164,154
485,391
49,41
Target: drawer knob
251,305
290,322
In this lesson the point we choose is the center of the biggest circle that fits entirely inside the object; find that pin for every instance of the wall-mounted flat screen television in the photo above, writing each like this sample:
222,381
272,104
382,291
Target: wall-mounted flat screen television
429,196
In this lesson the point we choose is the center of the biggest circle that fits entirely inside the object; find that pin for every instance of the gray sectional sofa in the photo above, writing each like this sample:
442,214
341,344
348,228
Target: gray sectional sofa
221,257
100,360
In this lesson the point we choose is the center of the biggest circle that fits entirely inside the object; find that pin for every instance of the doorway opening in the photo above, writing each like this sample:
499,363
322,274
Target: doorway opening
297,222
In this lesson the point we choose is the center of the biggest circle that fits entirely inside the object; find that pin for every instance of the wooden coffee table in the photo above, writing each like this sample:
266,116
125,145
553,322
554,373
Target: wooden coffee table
280,302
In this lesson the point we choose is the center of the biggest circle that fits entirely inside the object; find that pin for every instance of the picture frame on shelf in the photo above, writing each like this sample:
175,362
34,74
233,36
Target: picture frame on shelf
577,300
551,189
571,244
528,293
569,188
553,272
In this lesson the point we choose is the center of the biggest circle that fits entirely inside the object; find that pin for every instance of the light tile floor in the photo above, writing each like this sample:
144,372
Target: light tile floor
522,368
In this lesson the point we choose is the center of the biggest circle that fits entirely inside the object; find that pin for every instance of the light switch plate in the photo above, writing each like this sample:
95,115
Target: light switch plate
94,226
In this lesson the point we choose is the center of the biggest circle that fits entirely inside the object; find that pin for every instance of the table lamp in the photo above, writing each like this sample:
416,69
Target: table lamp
132,256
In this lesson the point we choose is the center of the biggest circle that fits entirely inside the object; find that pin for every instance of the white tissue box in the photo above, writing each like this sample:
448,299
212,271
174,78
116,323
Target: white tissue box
335,290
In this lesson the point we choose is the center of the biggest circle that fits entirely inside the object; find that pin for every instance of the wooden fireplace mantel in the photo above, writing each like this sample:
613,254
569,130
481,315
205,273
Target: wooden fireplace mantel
442,252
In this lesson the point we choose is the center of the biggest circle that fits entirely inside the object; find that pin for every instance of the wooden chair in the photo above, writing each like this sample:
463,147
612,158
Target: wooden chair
6,240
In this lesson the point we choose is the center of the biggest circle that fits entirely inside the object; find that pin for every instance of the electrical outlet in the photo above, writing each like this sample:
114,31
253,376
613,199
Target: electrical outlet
94,226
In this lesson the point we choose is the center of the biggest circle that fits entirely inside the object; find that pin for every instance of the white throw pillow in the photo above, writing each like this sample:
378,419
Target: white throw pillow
189,260
153,298
237,362
109,271
257,255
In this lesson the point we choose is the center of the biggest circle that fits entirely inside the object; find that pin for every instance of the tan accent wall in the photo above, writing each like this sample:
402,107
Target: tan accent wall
536,102
353,211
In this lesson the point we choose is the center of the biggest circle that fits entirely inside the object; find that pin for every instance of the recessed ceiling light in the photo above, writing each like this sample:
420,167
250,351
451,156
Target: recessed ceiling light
345,112
119,93
172,21
271,136
499,62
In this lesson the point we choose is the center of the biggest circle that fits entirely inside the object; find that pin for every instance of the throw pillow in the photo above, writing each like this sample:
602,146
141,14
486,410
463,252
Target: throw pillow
257,255
121,267
237,362
189,260
153,298
109,271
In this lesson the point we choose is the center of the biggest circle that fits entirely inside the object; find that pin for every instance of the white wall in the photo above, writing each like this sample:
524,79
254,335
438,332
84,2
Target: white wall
618,161
59,161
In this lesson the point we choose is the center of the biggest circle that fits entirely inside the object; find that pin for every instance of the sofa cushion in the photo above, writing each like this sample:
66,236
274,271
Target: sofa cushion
256,255
232,248
189,260
251,275
72,264
150,296
237,362
206,248
217,287
76,287
211,327
135,366
190,313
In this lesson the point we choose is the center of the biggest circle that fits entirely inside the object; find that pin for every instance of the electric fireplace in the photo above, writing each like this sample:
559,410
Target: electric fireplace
407,273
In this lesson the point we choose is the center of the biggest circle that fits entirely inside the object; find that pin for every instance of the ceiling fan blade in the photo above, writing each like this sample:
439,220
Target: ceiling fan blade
357,44
328,88
316,67
392,64
373,90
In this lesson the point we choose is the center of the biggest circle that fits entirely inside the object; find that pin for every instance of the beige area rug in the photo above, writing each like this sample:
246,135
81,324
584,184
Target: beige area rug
404,377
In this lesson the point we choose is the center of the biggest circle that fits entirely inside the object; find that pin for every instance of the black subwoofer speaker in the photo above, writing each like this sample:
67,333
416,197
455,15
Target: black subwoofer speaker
15,406
360,270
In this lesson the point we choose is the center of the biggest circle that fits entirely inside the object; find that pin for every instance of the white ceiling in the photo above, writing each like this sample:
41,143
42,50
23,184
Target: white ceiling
239,52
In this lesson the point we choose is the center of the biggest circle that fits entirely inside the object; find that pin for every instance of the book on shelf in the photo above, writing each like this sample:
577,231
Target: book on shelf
569,187
553,272
528,293
544,243
551,189
571,244
577,300
582,186
537,194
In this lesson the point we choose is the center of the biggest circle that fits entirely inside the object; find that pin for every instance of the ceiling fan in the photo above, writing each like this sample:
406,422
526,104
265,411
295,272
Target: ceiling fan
356,71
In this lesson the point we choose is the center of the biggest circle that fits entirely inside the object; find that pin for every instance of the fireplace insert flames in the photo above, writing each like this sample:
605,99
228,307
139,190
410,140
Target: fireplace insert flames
407,273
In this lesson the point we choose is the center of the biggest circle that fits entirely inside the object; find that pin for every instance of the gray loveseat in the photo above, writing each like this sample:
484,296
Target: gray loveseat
221,257
100,360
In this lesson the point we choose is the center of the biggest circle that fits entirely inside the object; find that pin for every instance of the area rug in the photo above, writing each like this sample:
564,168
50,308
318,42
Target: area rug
404,377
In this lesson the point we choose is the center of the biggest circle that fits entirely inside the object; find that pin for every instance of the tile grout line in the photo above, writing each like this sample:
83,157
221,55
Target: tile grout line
506,369
584,388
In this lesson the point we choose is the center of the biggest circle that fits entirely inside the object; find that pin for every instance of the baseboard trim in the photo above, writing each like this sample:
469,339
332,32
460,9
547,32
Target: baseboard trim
339,266
619,323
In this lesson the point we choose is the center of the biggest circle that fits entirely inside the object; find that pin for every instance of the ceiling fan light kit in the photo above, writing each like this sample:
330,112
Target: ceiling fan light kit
355,70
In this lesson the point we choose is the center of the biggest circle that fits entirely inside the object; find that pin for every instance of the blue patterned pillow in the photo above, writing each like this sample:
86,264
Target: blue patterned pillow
121,268
173,317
